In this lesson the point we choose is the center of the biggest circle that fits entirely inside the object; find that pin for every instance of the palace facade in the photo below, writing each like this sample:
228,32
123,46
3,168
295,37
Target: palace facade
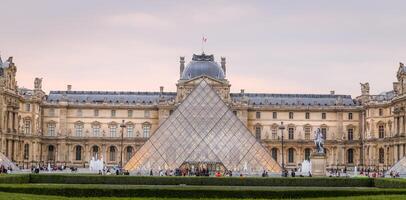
70,127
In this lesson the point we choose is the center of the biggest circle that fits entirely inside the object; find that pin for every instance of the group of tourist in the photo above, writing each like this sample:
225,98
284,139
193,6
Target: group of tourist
5,170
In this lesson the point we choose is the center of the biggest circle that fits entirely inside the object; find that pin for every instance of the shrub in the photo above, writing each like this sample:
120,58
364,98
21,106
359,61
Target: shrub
390,183
229,181
14,178
191,191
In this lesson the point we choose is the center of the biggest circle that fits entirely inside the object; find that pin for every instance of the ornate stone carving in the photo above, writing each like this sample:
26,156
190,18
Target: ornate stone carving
365,88
38,84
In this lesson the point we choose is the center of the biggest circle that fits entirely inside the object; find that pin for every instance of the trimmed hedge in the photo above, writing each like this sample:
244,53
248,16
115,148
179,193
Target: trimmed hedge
390,183
191,191
14,178
228,181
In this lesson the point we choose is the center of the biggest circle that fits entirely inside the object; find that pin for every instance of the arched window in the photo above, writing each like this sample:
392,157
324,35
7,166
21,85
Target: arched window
307,154
78,153
95,152
258,132
112,153
381,155
26,151
129,153
291,155
51,153
146,129
350,156
381,130
274,153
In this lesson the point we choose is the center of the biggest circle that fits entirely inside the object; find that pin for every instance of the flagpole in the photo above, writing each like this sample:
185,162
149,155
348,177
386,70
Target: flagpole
202,44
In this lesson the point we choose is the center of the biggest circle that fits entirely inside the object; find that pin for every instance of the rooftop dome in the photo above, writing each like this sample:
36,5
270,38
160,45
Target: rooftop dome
202,65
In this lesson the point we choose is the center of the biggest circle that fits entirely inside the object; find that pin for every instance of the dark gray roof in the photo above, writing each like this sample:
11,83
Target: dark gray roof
202,65
296,99
383,96
25,92
110,97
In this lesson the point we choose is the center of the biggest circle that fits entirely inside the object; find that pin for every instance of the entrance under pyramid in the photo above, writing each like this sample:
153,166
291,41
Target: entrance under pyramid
203,133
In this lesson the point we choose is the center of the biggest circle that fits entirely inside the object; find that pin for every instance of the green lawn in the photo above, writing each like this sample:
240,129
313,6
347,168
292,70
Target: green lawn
13,196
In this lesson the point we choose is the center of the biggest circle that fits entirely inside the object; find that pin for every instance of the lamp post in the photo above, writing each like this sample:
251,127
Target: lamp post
122,125
282,127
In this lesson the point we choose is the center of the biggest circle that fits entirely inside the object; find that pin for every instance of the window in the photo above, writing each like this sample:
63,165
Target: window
291,131
258,115
323,115
274,115
79,130
27,107
307,115
324,133
147,114
79,113
380,112
381,155
95,152
51,152
307,154
112,153
350,116
290,115
130,113
26,151
235,112
78,153
307,133
171,112
51,129
381,131
146,128
130,130
27,127
291,156
274,133
258,132
350,134
350,156
51,112
129,153
274,153
96,112
113,113
113,130
96,130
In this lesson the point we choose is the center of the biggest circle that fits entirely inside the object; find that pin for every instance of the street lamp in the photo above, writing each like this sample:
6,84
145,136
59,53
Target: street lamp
122,125
282,127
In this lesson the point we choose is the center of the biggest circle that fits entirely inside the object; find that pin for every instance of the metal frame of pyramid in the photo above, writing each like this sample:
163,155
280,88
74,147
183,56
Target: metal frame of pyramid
202,129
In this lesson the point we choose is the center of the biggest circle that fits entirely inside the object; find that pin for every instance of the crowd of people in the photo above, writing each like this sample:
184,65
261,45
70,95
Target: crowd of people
5,170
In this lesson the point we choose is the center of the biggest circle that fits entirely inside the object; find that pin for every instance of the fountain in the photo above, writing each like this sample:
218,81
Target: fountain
96,165
306,167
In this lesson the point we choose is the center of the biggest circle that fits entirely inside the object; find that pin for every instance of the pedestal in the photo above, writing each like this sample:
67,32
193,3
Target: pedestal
318,164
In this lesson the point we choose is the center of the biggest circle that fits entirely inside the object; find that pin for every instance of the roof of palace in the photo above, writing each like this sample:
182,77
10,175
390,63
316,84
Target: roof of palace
383,96
153,97
202,65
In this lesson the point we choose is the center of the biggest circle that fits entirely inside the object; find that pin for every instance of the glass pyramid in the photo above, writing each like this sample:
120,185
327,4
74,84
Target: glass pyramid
399,167
202,130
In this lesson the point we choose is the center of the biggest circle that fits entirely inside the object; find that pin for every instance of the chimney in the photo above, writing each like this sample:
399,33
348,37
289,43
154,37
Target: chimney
69,88
242,91
332,92
182,65
223,64
161,89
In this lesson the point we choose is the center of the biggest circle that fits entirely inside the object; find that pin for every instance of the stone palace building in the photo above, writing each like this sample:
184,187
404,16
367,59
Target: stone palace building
70,127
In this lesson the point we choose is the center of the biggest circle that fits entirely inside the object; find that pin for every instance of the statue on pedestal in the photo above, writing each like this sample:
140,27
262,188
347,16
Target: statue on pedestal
319,141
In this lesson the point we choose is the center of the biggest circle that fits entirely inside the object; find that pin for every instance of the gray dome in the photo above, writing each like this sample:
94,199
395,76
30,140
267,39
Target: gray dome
202,65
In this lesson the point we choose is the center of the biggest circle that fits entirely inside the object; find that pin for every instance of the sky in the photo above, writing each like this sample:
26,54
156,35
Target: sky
271,46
